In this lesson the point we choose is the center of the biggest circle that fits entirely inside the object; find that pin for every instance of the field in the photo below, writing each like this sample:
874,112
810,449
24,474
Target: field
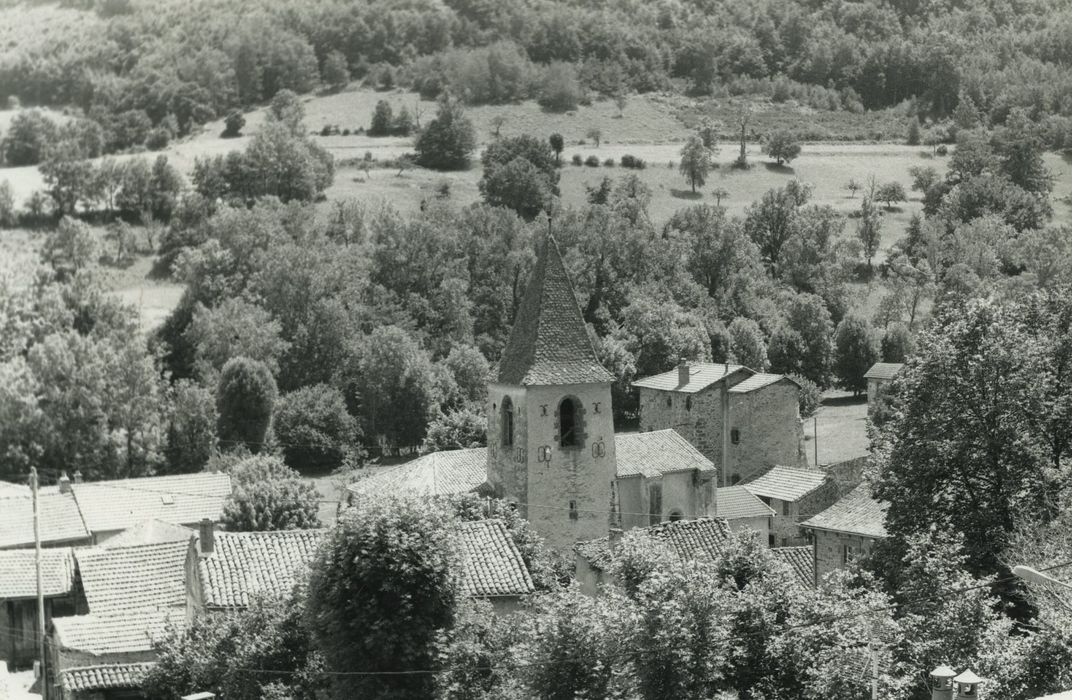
842,426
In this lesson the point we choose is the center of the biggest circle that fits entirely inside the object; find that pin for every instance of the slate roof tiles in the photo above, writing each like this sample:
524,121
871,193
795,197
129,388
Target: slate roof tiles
787,483
857,513
103,677
18,575
493,563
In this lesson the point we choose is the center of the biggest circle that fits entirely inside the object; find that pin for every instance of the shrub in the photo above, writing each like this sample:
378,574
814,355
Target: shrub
268,495
942,150
314,428
608,163
446,142
576,158
382,119
8,217
810,395
592,161
782,147
158,139
559,90
232,125
631,161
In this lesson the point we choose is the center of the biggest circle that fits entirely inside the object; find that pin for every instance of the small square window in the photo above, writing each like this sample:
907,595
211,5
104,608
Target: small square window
735,436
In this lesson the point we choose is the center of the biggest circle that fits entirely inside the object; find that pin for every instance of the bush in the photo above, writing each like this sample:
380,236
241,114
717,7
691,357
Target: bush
28,138
382,119
592,161
782,147
576,159
245,399
268,495
518,185
608,163
314,428
942,150
232,125
630,161
810,395
559,90
8,218
446,142
158,139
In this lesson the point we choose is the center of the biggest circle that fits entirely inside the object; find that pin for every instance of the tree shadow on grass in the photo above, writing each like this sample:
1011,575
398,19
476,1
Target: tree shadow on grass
848,400
778,168
685,194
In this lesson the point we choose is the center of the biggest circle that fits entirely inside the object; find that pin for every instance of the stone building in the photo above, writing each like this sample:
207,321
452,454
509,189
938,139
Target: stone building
743,510
846,530
878,378
795,495
763,426
18,599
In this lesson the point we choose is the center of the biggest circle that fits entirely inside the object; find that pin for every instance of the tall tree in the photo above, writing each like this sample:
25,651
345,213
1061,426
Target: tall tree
245,400
448,140
855,350
695,162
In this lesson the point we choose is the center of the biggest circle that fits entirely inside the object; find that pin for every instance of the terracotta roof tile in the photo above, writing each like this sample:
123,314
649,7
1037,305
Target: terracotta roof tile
787,483
118,633
103,677
549,341
738,502
493,563
758,381
121,579
800,560
8,489
884,370
658,452
686,539
61,520
18,575
701,376
437,474
246,564
180,499
857,513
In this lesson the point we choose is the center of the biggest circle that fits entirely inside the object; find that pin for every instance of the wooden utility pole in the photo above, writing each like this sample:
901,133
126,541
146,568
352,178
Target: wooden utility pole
815,433
40,594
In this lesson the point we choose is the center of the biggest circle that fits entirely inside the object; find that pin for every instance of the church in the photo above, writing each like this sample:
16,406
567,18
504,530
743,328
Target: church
551,446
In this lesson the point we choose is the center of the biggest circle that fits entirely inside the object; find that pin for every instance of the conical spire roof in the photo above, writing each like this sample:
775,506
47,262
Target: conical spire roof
549,343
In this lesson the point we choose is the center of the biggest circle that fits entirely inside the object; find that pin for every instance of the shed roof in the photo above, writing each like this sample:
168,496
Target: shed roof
686,539
701,376
549,341
246,564
179,499
436,474
736,502
759,381
60,520
857,513
787,483
801,560
103,677
658,452
884,370
18,574
117,633
120,579
493,563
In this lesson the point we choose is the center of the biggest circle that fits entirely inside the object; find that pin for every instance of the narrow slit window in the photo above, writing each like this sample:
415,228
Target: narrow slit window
573,515
507,422
567,423
735,436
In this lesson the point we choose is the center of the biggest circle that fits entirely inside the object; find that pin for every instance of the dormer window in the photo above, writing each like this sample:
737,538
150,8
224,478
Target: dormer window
506,426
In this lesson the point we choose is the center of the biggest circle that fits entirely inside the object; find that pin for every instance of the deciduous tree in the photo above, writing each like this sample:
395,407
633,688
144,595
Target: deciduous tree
268,495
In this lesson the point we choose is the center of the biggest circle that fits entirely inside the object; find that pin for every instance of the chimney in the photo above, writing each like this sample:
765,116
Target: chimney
942,683
615,538
683,372
207,537
78,477
65,483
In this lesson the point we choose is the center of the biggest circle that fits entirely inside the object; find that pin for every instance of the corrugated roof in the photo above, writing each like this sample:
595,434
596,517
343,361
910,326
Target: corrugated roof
857,513
738,502
493,563
437,474
701,376
658,452
121,579
787,483
179,499
126,633
246,564
103,677
60,520
686,539
18,573
758,381
801,560
150,532
884,370
549,341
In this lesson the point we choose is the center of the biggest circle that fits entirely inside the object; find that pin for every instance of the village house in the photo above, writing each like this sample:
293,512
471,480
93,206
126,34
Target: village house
61,522
846,530
878,380
800,561
795,495
18,599
763,426
743,510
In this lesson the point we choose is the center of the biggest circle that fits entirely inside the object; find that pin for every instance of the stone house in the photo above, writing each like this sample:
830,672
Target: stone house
743,510
878,378
763,427
18,599
795,495
800,562
846,530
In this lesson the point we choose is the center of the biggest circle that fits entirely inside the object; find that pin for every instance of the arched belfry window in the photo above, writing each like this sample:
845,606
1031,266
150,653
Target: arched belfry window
569,423
506,426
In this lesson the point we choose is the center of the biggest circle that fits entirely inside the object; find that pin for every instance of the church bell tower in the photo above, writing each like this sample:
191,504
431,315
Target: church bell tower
550,424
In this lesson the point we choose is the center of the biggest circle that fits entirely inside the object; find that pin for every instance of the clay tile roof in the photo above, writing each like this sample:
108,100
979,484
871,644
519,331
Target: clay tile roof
104,677
18,576
800,560
686,539
437,474
701,376
493,563
787,483
884,370
857,513
658,452
549,341
120,579
150,532
9,489
179,499
246,564
758,381
61,520
119,633
738,502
